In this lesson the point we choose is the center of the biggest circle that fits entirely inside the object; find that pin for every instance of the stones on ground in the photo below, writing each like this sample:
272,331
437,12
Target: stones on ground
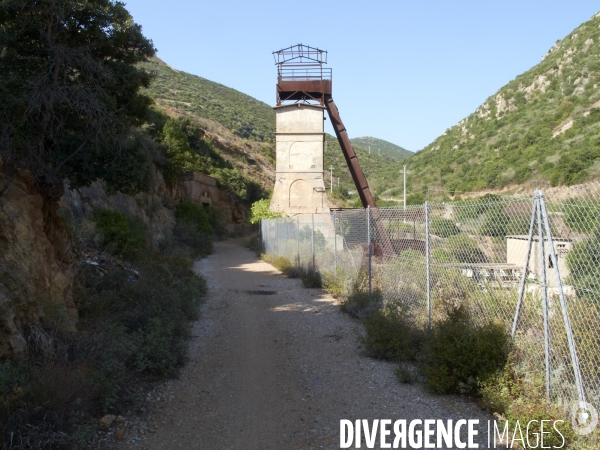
120,434
106,421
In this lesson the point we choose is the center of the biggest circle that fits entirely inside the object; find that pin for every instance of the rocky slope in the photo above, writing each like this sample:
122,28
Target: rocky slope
37,264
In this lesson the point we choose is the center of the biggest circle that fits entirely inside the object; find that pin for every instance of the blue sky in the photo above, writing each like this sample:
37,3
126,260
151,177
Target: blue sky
403,71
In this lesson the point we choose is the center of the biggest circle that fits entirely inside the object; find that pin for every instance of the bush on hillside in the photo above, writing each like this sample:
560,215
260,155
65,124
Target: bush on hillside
121,235
391,334
464,249
131,323
194,214
461,353
443,227
361,304
312,280
235,182
581,215
260,210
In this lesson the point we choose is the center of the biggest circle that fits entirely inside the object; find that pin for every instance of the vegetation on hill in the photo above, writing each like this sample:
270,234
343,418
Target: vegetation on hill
372,165
381,148
543,127
245,116
70,93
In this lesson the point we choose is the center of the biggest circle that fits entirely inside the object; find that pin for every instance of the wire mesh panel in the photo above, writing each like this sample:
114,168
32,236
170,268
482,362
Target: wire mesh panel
531,263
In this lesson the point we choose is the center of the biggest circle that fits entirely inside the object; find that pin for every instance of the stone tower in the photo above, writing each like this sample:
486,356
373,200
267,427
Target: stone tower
299,186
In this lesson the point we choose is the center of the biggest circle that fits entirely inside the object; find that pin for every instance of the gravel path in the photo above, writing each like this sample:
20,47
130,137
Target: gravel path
275,366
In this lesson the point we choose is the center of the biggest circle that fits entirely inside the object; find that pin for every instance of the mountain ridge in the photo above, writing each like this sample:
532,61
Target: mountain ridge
382,147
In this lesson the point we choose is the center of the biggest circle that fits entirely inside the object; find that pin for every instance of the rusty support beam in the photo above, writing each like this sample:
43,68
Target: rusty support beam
360,181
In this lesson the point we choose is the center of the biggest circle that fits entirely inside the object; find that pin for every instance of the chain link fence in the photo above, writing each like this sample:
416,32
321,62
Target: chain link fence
531,263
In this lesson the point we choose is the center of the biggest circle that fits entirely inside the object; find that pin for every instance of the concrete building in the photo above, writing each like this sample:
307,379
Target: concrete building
516,252
299,186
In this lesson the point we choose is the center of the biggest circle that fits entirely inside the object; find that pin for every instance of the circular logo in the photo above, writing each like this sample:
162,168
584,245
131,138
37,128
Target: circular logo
584,418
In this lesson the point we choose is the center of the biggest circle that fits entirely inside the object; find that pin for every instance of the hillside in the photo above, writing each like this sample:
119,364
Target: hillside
381,148
245,116
542,128
238,128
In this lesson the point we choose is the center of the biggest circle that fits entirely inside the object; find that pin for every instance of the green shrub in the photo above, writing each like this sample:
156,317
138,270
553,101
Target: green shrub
464,249
281,263
498,391
312,280
153,309
195,214
415,199
584,264
404,375
284,265
334,285
183,160
189,241
234,181
130,322
391,335
215,218
495,224
529,410
121,235
461,353
581,216
443,227
255,244
260,210
361,305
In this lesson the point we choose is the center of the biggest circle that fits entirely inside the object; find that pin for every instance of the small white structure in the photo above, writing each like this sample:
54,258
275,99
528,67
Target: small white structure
299,186
516,252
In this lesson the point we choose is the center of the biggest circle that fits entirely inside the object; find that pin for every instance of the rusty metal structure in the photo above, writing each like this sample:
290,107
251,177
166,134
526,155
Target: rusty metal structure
301,77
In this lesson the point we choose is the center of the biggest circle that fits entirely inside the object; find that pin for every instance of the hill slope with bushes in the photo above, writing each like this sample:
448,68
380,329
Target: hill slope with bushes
542,128
381,148
245,116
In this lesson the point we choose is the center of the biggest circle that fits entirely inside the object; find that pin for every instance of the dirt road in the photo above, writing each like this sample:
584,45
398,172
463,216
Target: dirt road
275,366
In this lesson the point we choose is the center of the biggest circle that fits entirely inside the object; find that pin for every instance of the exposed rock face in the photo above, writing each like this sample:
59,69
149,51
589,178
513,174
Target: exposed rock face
149,207
37,263
203,189
37,259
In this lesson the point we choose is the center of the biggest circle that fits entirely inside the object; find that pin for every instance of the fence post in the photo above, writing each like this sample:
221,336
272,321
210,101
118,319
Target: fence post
369,246
544,297
563,301
260,235
525,269
428,264
285,228
334,245
298,239
312,237
277,237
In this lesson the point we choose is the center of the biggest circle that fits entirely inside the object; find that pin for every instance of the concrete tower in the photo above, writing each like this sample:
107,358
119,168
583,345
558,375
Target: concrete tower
299,186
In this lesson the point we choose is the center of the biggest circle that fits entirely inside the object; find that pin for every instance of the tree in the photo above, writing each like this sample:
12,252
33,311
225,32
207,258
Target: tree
464,249
70,93
261,210
443,227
